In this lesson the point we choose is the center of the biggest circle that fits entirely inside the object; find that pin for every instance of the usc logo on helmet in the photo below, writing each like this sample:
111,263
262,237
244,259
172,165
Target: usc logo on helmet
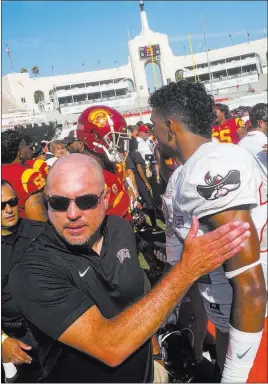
99,117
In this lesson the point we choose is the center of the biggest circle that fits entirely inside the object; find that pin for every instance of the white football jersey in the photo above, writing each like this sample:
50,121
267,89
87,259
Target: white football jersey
215,178
173,244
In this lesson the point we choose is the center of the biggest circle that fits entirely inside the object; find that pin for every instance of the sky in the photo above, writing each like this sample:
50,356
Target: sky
77,36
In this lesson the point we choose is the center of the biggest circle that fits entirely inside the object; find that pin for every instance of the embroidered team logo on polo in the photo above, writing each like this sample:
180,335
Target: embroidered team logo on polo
123,254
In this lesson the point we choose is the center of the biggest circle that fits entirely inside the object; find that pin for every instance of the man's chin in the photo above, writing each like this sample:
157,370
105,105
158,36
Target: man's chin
77,241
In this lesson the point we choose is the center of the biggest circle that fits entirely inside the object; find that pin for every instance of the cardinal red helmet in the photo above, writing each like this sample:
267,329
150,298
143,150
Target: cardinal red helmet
103,129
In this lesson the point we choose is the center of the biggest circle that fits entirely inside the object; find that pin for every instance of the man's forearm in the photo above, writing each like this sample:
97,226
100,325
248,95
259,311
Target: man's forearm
142,175
133,180
142,319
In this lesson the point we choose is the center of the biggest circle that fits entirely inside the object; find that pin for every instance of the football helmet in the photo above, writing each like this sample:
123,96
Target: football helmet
104,130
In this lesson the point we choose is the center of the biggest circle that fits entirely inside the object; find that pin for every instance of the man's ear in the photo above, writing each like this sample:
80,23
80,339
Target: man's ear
171,129
19,154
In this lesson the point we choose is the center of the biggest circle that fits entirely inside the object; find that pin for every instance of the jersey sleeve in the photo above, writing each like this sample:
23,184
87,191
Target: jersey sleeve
137,158
129,163
44,294
24,179
39,165
222,179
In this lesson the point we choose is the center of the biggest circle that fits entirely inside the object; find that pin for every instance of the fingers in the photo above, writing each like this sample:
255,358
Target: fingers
238,241
22,357
24,346
222,258
194,228
233,235
227,232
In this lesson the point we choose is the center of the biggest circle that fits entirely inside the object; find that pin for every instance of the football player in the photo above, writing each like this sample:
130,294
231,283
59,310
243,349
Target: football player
26,176
219,183
102,130
227,129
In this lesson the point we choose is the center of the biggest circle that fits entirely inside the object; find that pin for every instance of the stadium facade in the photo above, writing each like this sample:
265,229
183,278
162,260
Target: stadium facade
124,87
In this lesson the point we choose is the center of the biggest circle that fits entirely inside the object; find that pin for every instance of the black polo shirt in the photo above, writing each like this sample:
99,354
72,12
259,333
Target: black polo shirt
137,158
12,247
54,283
12,321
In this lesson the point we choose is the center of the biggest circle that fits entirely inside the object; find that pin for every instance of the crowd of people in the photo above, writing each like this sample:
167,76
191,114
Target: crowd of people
138,253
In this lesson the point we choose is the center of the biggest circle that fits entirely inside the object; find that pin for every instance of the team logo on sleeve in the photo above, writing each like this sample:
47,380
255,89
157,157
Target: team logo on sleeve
219,186
123,254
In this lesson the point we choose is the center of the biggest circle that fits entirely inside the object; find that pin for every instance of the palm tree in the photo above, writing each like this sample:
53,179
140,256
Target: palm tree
35,70
23,70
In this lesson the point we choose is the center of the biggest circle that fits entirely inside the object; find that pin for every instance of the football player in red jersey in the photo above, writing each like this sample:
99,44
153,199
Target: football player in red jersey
102,130
227,129
25,176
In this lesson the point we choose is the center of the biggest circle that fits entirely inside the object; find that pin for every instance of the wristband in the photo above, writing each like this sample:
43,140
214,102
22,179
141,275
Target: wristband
241,353
4,337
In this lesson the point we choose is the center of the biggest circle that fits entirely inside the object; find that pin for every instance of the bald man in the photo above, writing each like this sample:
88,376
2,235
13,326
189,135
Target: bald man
81,288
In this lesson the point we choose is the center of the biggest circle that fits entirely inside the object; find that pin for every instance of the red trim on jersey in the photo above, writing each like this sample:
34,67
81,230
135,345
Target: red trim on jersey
261,236
262,202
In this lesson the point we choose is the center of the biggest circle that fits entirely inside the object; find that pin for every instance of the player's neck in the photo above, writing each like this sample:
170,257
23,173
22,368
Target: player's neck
189,144
257,130
17,161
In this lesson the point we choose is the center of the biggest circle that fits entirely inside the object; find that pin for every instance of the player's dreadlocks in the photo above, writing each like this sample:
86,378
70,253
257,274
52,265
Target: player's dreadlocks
188,103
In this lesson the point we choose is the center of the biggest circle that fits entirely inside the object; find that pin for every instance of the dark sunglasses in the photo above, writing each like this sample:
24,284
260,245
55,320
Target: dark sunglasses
12,203
61,203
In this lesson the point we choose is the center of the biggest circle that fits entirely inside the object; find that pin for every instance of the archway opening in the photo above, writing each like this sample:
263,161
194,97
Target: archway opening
38,96
153,76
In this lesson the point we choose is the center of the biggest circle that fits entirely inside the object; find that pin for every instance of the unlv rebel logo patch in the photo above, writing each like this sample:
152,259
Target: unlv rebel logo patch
219,186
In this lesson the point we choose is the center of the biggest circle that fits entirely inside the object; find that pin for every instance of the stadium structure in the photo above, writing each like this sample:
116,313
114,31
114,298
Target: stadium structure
232,73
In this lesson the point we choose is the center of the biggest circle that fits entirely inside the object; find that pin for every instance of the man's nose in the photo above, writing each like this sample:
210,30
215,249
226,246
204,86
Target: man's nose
8,209
73,212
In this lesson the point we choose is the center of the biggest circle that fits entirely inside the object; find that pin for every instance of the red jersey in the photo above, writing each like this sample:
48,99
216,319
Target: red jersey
39,165
227,131
119,203
25,180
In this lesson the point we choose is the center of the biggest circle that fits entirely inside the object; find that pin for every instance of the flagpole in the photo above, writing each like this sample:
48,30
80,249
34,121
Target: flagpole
9,55
134,75
11,63
209,71
192,54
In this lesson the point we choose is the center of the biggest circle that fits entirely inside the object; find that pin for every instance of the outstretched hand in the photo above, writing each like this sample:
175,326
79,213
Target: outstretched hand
203,254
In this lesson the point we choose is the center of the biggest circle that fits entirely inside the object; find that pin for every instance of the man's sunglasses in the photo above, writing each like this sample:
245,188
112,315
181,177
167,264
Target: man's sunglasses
12,203
61,203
